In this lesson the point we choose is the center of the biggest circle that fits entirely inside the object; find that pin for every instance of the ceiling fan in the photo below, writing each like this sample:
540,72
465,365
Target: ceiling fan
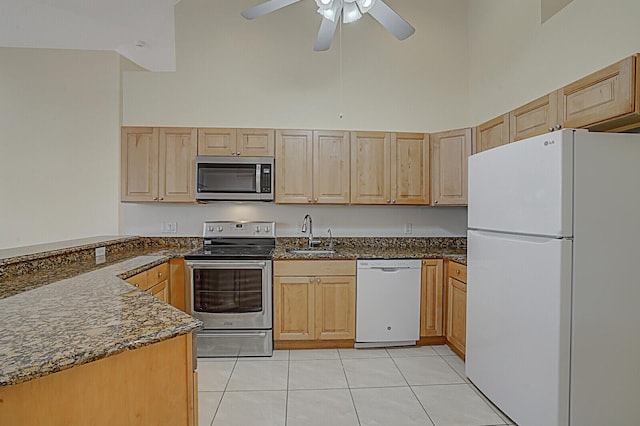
349,10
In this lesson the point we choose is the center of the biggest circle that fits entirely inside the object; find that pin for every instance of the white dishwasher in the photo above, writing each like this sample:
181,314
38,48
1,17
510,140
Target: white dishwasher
387,302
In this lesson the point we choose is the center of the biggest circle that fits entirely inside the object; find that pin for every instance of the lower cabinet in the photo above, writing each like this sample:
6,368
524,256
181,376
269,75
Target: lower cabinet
314,303
155,281
151,385
432,299
457,307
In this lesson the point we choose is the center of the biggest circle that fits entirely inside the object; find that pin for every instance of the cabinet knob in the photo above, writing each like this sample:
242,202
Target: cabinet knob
388,201
393,201
457,271
159,274
551,129
155,198
435,201
161,198
558,126
311,280
238,153
318,280
233,153
315,200
308,200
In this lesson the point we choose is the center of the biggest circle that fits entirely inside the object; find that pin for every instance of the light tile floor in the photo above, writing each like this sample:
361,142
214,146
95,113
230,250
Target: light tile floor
352,387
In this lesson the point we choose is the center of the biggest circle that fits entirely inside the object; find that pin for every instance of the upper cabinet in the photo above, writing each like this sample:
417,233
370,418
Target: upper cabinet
158,164
493,133
537,117
449,153
389,168
240,142
312,167
604,100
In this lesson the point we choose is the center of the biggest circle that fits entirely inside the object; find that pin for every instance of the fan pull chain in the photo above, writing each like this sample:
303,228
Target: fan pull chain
340,69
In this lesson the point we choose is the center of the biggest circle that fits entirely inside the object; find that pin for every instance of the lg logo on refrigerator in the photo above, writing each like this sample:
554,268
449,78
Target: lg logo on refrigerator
546,143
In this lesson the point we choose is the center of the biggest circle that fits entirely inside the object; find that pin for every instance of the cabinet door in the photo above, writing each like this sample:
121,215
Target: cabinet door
216,141
432,298
335,310
493,133
139,164
457,314
601,96
331,179
161,291
409,168
449,155
294,167
176,284
255,142
177,174
536,117
293,303
370,168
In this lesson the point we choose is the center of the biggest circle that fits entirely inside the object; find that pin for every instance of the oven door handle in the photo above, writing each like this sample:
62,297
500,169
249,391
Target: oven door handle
249,334
217,264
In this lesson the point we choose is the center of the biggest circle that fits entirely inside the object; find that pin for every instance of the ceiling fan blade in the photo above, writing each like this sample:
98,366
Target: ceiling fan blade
389,19
325,33
266,7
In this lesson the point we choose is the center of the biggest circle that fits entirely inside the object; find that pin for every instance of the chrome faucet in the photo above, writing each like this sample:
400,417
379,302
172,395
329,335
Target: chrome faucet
307,219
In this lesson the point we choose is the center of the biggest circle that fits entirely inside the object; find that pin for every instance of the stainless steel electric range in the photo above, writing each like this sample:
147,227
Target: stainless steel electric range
229,289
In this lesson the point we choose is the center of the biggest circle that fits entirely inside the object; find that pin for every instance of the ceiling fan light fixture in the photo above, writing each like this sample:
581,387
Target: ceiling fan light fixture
365,5
350,13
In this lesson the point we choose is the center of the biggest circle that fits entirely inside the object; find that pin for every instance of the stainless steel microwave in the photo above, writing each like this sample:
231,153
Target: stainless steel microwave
234,178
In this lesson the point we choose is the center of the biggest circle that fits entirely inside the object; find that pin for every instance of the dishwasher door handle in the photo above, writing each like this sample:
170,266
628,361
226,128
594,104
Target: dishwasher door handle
386,269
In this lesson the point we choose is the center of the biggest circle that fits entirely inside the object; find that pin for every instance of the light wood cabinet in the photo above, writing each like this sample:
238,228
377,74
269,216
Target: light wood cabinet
602,100
154,281
313,301
457,307
151,385
432,298
158,164
312,167
177,295
236,142
537,117
449,172
389,168
493,133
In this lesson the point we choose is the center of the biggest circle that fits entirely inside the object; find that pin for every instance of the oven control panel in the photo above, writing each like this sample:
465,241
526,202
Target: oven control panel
239,229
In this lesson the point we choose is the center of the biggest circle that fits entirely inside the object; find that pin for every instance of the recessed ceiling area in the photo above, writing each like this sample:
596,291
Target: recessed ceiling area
143,31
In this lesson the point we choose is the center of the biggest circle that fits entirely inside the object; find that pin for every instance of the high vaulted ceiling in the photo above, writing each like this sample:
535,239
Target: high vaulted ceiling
140,30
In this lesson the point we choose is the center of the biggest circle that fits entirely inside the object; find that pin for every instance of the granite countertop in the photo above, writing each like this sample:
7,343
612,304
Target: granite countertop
381,251
57,322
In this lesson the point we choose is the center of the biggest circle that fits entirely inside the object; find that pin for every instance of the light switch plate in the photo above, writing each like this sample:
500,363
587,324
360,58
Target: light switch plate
101,255
169,227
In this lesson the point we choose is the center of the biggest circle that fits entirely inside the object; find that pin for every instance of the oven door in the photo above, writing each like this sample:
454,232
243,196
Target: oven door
230,294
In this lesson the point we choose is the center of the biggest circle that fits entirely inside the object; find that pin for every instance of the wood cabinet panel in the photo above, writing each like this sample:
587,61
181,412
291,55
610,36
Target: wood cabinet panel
151,385
216,141
255,142
409,168
331,167
178,149
370,168
335,308
449,172
457,271
293,308
601,96
314,267
537,117
139,163
493,133
457,307
294,167
432,298
157,274
139,280
160,291
177,296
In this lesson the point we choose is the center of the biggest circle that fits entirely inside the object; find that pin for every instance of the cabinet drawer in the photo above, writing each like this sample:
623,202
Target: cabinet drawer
314,267
157,274
457,271
139,280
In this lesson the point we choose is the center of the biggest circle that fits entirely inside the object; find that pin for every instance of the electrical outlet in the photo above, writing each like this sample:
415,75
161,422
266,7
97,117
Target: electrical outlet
169,227
407,228
101,255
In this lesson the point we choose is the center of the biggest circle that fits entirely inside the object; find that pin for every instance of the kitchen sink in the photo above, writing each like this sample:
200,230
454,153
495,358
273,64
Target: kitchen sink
311,251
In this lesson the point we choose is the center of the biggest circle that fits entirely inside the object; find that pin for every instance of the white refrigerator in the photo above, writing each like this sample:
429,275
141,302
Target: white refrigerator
553,285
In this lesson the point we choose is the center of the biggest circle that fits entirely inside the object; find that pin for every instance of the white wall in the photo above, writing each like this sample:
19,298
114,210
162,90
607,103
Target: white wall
514,59
59,156
145,219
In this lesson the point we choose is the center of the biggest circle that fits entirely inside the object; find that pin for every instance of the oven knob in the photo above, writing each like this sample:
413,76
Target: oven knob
210,228
257,228
219,229
267,229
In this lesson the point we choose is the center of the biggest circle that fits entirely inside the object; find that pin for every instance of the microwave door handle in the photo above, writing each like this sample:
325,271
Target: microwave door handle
258,176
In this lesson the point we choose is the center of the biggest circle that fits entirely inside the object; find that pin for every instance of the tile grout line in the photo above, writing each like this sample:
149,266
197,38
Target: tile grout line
225,390
353,402
286,399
